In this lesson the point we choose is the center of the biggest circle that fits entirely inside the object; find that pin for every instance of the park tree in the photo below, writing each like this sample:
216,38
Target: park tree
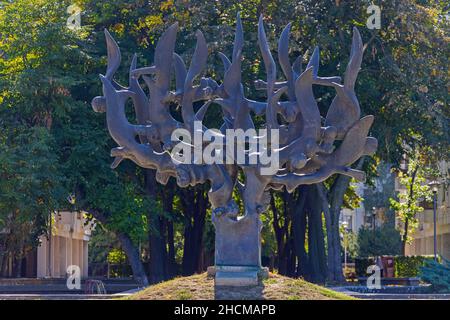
377,241
48,75
416,191
32,95
49,144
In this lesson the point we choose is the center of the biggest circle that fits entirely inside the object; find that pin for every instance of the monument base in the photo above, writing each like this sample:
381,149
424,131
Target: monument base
237,276
237,248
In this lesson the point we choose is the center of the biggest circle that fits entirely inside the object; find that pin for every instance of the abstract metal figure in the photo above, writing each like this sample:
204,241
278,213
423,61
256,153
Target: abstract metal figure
306,148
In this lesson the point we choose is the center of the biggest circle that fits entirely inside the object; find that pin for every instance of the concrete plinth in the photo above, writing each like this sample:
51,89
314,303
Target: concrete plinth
236,279
238,240
237,250
237,276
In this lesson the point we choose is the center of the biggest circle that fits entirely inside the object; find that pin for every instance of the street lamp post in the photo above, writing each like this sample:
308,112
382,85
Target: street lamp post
345,255
434,223
434,185
49,241
374,213
344,225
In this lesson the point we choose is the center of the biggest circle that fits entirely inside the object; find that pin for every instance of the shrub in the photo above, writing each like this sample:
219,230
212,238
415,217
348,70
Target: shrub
436,274
116,256
404,267
409,266
361,265
384,240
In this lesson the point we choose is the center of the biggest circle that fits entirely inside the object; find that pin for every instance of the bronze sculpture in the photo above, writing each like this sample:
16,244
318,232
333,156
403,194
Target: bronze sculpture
306,153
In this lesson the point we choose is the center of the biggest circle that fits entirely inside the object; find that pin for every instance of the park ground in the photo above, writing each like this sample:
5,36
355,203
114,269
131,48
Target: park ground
201,287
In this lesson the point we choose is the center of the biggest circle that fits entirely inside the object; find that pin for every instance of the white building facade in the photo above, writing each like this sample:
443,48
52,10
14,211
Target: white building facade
67,245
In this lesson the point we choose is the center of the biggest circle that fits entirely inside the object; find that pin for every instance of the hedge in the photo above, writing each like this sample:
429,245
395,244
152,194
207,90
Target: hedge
361,265
404,267
409,266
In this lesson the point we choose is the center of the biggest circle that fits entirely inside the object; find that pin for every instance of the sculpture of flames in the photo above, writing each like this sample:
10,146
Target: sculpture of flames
307,153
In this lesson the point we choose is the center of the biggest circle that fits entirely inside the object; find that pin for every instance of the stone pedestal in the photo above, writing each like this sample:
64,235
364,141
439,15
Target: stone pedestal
237,276
237,250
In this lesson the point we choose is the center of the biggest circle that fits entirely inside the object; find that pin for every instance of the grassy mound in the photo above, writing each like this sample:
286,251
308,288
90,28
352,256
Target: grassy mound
201,287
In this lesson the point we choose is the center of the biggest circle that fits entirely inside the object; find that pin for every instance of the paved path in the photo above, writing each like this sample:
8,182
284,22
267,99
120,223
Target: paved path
30,296
393,296
54,297
370,296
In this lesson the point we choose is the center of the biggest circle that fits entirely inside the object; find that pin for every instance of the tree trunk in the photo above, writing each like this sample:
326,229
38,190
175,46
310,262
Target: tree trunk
199,226
157,249
134,258
289,253
405,236
336,199
411,193
299,233
172,265
331,255
188,203
156,237
280,236
291,257
316,244
2,258
4,266
17,266
131,251
167,198
194,204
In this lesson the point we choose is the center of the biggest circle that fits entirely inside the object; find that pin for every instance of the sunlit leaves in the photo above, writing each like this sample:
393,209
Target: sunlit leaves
407,206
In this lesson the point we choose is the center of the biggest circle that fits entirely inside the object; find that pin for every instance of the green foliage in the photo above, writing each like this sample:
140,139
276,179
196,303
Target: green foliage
384,240
100,243
410,266
378,195
437,274
352,199
117,261
361,265
408,204
116,256
403,69
349,240
30,188
269,244
52,144
32,94
404,266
